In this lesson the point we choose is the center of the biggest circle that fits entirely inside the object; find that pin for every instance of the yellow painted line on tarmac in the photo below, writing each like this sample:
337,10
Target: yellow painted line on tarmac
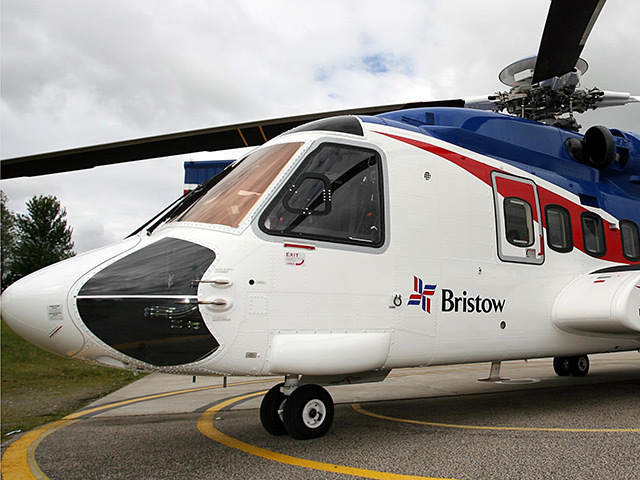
358,408
18,461
82,413
207,427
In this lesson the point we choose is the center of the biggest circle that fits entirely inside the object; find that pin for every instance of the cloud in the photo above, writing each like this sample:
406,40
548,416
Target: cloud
82,73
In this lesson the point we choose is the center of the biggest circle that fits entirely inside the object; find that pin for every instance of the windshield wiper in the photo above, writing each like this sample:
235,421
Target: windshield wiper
183,203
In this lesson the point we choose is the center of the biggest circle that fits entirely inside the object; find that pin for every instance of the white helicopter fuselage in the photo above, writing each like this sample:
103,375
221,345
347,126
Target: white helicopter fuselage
435,279
352,245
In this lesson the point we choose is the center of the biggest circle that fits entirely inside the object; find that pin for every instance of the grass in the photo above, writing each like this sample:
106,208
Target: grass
39,387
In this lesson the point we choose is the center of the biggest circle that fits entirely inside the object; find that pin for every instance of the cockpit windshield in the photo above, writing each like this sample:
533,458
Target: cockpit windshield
229,200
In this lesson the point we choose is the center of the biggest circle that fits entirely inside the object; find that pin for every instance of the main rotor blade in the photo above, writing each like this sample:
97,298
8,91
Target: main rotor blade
568,25
208,139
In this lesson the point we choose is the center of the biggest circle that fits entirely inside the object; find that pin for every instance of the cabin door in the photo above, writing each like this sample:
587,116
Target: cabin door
518,219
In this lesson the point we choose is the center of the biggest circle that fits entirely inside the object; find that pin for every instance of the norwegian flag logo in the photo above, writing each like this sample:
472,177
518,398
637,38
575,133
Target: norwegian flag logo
422,295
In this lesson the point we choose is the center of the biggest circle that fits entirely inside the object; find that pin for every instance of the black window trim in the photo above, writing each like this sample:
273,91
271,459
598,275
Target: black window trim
600,222
553,206
635,226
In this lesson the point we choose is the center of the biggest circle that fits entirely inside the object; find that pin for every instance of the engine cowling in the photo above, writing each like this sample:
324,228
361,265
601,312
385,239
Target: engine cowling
606,302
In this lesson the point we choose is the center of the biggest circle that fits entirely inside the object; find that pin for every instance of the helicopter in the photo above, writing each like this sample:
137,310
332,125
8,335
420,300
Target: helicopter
354,242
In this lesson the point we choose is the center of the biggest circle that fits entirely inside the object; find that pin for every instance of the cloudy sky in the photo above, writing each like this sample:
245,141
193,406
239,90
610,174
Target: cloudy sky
83,72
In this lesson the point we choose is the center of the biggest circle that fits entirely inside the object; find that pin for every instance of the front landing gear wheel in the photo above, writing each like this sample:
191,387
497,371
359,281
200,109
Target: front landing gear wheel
579,365
271,410
561,366
308,412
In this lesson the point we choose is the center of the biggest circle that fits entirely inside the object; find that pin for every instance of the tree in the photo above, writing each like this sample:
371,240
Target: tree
42,236
8,230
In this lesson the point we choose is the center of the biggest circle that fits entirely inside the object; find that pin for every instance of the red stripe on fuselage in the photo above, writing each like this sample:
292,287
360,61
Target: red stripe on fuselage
479,169
483,171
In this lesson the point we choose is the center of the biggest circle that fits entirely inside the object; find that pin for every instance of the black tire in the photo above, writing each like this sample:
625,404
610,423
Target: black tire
561,366
579,365
308,412
271,411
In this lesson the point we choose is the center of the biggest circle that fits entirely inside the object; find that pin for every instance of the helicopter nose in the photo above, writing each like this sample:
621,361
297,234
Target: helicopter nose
36,307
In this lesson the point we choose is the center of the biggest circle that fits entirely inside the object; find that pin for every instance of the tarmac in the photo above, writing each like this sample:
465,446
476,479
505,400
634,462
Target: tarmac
433,422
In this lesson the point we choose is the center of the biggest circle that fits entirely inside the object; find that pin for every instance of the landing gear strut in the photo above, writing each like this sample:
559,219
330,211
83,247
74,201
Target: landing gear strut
304,412
577,366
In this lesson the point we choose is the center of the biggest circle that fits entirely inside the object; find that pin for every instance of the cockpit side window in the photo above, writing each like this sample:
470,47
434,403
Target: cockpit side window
336,195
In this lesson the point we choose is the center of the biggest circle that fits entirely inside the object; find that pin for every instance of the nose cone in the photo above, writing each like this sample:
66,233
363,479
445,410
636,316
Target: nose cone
36,307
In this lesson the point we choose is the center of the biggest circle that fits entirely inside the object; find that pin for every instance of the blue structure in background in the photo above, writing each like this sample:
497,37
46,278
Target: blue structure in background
196,173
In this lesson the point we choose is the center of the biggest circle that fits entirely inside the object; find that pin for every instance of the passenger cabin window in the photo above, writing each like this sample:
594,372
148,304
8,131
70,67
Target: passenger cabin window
630,240
559,237
335,195
593,234
518,222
